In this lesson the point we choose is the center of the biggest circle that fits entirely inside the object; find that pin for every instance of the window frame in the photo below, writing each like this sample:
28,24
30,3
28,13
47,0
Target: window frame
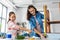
3,18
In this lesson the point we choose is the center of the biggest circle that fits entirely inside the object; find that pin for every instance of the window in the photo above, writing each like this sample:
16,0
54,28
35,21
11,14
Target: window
4,12
3,17
3,26
0,10
0,21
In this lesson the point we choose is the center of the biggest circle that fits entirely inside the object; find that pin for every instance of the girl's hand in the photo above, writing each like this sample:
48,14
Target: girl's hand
29,31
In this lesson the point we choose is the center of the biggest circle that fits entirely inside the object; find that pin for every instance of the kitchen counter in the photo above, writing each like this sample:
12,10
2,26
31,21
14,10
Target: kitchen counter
39,39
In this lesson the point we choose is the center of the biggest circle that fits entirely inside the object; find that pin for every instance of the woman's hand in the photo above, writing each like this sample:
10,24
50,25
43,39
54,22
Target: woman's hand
42,36
39,33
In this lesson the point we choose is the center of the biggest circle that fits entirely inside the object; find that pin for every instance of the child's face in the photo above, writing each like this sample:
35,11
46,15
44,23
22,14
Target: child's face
12,17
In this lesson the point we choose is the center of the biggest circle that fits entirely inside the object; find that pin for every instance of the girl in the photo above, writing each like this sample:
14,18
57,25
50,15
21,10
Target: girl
13,26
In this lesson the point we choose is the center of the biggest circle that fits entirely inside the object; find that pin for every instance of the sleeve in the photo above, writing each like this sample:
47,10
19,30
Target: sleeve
42,16
32,26
10,24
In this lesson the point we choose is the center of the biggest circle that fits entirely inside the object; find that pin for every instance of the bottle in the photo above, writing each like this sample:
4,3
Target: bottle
9,34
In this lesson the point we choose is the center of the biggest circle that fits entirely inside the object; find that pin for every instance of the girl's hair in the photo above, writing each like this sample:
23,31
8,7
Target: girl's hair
10,15
28,13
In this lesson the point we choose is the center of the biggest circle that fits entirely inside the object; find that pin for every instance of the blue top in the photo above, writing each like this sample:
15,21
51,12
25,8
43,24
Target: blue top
32,22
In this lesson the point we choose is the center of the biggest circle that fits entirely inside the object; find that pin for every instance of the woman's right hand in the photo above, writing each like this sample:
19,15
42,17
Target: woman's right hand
42,36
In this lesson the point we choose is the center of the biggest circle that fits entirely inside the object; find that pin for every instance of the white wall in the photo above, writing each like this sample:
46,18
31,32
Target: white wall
55,15
21,14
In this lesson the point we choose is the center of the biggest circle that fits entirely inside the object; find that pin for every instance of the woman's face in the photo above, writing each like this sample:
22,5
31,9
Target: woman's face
12,17
32,11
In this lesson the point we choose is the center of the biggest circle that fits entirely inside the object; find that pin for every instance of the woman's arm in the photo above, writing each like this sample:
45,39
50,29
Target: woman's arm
39,33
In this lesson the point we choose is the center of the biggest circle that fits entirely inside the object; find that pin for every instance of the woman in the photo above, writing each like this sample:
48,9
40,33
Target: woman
35,19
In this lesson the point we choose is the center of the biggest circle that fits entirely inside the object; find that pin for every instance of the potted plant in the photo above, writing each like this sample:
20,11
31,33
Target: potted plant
20,37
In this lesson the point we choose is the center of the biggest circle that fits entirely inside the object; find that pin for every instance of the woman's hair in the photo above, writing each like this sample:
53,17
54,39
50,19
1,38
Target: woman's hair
28,13
10,15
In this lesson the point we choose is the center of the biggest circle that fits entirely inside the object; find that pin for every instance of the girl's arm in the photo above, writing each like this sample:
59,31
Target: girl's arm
22,28
25,29
39,33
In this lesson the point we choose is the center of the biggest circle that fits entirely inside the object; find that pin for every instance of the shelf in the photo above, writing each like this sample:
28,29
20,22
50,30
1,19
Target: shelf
53,22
